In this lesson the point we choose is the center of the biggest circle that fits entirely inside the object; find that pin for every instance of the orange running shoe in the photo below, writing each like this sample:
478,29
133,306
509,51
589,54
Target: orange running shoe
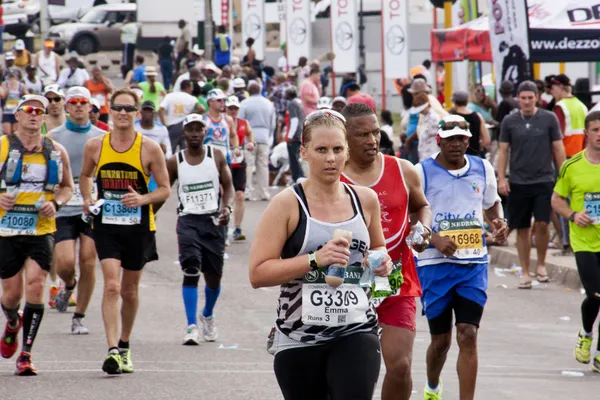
25,366
10,339
52,298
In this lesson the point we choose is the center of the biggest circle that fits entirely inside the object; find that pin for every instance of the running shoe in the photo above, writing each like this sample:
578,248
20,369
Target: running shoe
10,339
209,328
25,366
112,364
126,364
53,291
192,337
238,235
72,301
582,350
429,395
62,299
77,327
596,365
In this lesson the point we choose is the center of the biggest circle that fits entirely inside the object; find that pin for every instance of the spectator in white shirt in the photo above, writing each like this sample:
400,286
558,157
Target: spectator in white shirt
260,114
173,110
153,130
129,34
72,75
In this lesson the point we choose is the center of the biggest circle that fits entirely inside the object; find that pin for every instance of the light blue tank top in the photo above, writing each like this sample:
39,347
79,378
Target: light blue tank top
217,134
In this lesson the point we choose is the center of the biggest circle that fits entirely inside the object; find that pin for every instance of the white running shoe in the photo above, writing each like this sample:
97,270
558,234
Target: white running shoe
209,329
77,327
192,336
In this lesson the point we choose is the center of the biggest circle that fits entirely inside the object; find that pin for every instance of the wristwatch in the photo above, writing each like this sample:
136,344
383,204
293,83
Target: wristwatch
57,204
229,208
312,261
572,217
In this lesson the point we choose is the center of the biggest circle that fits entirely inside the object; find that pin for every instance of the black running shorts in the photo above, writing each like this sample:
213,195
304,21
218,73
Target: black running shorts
130,249
14,250
525,201
70,228
465,310
238,175
202,241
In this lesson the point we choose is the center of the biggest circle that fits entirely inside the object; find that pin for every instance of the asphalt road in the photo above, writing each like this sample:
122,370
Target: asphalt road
526,342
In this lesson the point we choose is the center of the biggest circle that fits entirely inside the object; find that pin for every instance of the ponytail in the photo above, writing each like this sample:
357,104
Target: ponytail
153,87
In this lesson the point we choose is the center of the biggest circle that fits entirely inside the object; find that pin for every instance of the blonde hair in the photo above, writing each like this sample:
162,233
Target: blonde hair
326,120
128,92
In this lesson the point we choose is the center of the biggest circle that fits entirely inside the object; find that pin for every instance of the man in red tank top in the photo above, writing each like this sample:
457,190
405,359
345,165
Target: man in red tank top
400,195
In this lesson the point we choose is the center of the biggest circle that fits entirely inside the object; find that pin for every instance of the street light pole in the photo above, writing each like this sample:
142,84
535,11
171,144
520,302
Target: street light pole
361,38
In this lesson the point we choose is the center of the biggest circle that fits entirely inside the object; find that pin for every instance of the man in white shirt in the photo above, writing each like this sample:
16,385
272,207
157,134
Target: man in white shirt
129,34
260,114
47,63
173,110
153,130
72,75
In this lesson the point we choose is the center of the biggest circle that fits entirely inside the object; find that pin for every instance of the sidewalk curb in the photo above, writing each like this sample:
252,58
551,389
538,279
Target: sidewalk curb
559,274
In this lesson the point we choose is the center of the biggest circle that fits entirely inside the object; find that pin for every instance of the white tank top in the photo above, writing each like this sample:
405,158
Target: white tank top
198,185
48,65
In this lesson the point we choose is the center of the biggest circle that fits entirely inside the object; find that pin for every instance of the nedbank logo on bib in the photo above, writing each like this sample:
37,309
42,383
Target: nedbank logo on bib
591,196
459,224
196,187
352,275
24,208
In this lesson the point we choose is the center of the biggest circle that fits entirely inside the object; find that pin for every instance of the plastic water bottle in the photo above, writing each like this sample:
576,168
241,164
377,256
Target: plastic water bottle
336,273
416,234
11,165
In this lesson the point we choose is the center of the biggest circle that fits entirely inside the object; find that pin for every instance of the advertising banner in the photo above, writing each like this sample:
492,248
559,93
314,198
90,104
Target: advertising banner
394,26
344,34
299,32
253,26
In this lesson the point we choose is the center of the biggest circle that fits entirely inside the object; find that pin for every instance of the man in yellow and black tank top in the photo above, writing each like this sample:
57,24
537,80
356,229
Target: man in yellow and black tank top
122,161
35,182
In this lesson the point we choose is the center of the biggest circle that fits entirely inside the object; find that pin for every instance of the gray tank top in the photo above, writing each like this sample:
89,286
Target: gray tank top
73,142
309,311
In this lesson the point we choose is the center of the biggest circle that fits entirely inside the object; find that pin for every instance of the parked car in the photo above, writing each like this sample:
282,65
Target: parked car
99,29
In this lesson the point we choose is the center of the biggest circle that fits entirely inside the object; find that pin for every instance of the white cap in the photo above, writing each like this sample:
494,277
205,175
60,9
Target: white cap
78,91
456,130
95,103
324,103
238,83
19,45
194,118
232,101
197,50
341,99
210,66
215,94
150,71
33,97
9,55
54,88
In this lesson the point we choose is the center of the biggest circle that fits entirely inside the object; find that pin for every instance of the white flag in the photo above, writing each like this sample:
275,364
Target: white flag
299,30
344,30
394,19
253,26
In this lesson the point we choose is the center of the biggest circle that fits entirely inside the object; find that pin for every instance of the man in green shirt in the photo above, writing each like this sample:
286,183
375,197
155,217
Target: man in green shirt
579,180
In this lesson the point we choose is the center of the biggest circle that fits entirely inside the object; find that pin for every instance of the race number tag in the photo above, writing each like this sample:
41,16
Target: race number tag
21,220
467,233
324,305
591,202
395,279
77,199
200,198
115,213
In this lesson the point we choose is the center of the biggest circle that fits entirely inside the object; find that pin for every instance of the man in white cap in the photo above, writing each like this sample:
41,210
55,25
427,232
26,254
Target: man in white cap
72,75
238,169
239,89
95,116
56,108
453,270
9,66
148,126
324,103
204,214
338,103
48,63
34,193
70,228
173,110
22,55
220,129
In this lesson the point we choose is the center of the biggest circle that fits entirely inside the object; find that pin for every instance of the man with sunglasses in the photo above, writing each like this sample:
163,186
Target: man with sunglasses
69,226
32,167
238,169
400,194
122,161
202,223
220,129
55,116
453,269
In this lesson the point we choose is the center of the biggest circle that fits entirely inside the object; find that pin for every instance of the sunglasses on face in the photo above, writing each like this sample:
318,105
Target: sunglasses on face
120,107
54,99
321,113
78,101
32,110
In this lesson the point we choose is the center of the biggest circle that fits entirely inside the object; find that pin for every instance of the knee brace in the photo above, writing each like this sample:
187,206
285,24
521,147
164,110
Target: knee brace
191,273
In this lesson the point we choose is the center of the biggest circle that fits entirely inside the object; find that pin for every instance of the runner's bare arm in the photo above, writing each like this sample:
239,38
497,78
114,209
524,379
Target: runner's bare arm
417,202
91,152
172,171
485,133
558,153
225,178
158,168
233,137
